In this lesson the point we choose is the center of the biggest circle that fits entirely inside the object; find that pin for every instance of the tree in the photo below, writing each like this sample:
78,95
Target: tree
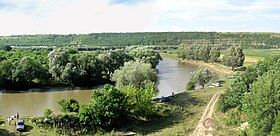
70,73
214,54
134,73
146,55
90,68
190,85
201,76
110,107
112,60
276,127
27,70
181,51
58,59
139,100
190,52
203,52
262,104
234,57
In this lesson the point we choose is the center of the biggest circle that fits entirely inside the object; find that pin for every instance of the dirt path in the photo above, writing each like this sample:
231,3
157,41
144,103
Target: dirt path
204,126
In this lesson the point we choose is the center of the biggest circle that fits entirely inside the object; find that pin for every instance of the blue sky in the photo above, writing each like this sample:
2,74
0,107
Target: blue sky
89,16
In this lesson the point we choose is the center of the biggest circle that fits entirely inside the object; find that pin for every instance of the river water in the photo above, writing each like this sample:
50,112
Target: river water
173,76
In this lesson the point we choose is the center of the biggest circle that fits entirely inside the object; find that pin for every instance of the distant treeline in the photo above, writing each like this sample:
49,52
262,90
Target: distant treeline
243,39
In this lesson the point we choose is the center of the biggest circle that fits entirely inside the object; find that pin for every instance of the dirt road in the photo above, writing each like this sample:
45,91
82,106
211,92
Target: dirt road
204,126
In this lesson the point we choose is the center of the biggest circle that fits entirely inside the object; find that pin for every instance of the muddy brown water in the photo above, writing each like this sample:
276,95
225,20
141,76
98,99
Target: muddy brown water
173,76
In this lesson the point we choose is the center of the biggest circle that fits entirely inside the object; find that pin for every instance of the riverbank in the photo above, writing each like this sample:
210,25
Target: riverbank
181,116
7,129
215,67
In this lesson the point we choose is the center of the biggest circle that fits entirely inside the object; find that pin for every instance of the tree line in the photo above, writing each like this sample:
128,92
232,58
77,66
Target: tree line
66,67
255,94
233,57
245,39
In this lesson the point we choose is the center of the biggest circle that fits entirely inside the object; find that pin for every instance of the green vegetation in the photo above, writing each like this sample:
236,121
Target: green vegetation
47,112
255,94
201,76
7,129
198,52
134,73
110,108
263,53
70,105
66,67
155,39
234,57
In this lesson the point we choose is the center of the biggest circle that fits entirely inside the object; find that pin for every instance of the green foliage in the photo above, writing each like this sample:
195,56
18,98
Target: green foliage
242,133
233,96
112,60
47,112
110,107
234,57
58,59
134,73
63,124
70,73
70,105
182,52
214,54
198,52
160,39
201,76
203,52
139,100
242,84
27,69
234,117
276,127
32,68
146,55
190,85
262,104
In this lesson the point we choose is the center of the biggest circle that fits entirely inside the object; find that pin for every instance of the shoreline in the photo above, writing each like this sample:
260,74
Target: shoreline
220,69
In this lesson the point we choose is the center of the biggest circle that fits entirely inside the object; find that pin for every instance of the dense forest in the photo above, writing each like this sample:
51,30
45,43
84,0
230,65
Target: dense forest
67,67
254,97
161,39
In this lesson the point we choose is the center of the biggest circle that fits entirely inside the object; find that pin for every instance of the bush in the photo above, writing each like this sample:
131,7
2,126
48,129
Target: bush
47,112
70,105
190,85
109,108
234,117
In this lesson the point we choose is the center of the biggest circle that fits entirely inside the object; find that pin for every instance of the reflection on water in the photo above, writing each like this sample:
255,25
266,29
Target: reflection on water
173,76
33,103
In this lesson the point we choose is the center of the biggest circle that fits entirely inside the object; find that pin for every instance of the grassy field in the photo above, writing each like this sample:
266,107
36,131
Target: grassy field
7,129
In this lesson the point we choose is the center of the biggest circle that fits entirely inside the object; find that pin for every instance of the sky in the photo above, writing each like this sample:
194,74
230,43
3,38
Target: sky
93,16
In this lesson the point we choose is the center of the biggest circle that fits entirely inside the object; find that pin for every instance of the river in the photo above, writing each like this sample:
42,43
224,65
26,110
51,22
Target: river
173,76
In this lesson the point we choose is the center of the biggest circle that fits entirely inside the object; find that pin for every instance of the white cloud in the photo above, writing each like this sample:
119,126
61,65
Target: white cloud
87,16
82,16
